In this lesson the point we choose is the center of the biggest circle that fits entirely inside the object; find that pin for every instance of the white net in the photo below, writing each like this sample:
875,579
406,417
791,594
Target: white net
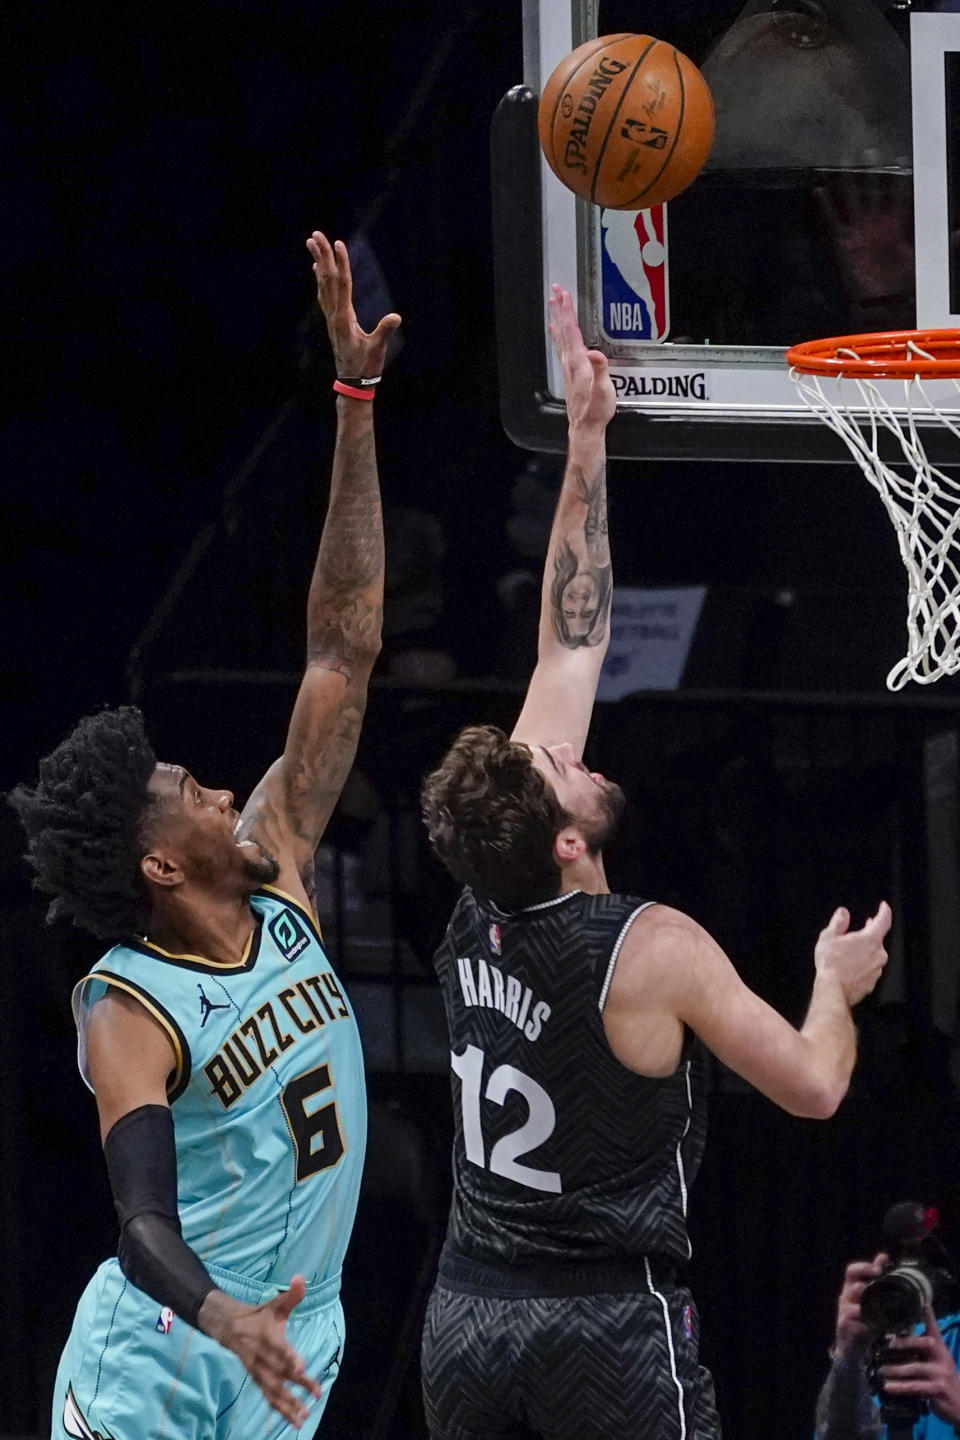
922,501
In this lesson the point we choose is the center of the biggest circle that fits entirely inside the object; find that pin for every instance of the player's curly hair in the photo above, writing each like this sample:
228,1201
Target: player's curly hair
85,823
492,819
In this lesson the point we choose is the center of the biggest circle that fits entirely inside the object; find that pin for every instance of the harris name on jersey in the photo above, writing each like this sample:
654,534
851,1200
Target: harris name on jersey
483,983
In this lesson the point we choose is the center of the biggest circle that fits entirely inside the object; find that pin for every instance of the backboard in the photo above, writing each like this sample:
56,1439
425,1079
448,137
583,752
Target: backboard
830,205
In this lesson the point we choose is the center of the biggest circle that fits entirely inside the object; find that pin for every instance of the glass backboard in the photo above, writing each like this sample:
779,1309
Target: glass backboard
830,205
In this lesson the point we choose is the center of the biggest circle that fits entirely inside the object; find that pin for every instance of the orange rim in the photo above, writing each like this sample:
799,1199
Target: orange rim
882,356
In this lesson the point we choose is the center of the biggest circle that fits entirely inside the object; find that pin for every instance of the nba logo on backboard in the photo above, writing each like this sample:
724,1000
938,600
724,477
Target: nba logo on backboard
164,1320
495,939
634,272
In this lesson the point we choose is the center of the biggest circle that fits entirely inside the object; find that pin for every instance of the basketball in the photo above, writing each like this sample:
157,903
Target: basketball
626,121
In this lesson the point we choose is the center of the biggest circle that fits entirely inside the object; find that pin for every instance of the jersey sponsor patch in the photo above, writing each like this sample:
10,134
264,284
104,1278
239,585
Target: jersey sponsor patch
289,935
165,1320
75,1422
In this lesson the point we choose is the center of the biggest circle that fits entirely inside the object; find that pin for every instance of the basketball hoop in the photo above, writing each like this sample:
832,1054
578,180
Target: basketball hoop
838,380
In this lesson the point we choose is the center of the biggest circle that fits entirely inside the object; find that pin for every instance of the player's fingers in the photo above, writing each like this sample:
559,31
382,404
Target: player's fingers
344,274
278,1397
313,1387
386,327
568,319
319,247
296,1369
880,923
565,332
839,922
287,1301
553,306
287,1405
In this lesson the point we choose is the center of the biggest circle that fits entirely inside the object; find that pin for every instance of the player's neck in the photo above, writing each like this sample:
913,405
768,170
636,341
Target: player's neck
586,874
216,927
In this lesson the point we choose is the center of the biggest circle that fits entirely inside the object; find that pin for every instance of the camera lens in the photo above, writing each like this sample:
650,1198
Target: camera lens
895,1302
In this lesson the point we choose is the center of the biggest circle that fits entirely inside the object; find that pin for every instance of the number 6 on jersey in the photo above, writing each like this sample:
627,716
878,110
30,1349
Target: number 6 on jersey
539,1126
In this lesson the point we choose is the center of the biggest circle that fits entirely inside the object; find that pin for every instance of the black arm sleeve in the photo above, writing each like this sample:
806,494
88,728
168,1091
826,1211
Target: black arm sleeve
141,1161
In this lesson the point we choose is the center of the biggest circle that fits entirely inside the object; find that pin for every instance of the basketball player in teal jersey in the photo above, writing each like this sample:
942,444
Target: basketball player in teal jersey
217,1039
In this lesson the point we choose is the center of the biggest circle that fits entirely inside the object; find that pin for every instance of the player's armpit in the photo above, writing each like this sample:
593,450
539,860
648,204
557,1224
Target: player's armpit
670,966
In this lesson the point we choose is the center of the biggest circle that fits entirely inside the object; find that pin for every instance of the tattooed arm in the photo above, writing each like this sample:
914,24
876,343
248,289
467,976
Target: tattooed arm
291,806
577,579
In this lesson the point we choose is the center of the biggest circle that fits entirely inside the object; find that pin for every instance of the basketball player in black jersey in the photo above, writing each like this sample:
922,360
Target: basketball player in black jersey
575,1021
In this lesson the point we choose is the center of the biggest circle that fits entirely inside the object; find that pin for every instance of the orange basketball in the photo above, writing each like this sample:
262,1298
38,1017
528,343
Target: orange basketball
626,121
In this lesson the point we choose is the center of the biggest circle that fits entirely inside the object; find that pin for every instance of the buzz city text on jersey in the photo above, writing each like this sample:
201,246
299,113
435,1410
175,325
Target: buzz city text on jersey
310,1004
504,993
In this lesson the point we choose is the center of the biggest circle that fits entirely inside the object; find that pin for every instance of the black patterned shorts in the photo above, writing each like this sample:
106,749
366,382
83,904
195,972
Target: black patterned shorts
571,1367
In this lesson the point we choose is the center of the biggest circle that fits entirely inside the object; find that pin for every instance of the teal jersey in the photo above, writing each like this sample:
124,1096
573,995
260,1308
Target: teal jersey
267,1095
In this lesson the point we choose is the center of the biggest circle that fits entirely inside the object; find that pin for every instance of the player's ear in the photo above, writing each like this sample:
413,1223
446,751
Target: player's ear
568,846
158,869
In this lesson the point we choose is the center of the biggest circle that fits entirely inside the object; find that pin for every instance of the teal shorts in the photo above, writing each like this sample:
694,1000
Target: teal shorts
134,1371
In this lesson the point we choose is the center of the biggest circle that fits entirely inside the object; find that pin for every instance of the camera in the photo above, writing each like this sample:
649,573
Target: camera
920,1273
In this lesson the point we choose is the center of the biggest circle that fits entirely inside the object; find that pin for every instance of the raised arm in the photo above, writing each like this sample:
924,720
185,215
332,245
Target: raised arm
577,579
671,973
291,806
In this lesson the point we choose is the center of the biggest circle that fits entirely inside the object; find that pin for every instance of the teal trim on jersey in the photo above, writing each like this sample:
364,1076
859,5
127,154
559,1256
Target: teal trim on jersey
269,1091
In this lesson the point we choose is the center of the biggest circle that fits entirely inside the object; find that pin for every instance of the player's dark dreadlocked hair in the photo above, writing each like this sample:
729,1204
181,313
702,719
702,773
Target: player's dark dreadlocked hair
84,823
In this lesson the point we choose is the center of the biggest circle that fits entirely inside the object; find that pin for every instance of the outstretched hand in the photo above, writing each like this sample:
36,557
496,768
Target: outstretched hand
356,354
591,399
856,957
257,1335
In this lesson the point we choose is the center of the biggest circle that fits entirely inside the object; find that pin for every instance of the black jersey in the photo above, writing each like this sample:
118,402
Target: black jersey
560,1152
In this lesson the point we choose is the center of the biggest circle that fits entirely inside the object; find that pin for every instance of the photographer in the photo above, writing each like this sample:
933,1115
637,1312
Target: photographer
927,1374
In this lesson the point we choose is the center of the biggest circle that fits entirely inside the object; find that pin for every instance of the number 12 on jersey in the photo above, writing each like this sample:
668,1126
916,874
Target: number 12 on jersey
538,1128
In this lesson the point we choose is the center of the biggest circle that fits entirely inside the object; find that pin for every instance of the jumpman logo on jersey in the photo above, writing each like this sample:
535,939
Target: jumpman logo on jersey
206,1006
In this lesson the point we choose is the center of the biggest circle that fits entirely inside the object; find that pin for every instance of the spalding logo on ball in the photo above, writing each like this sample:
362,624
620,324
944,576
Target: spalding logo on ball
626,121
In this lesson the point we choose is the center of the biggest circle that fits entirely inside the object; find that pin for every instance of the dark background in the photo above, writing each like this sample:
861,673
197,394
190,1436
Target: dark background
167,394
